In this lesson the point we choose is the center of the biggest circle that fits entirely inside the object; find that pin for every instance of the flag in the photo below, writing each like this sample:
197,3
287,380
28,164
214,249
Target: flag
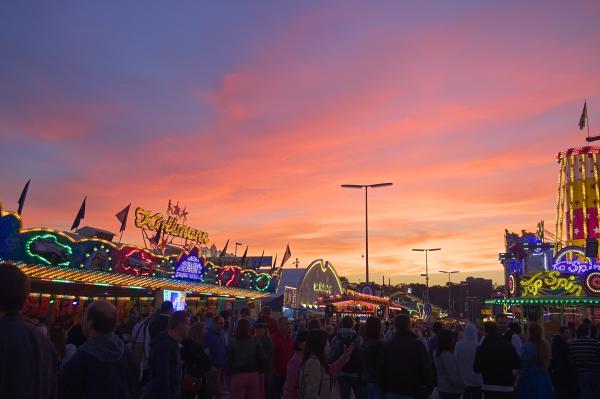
260,261
584,116
80,215
243,261
224,251
156,239
274,263
23,197
122,217
286,256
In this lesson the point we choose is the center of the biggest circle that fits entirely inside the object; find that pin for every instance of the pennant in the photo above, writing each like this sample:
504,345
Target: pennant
80,215
156,239
254,266
23,197
224,251
274,263
286,256
243,261
584,116
122,217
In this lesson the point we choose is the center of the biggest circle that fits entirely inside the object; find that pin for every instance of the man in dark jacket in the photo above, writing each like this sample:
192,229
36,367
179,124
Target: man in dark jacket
166,373
102,367
28,363
349,377
404,367
495,359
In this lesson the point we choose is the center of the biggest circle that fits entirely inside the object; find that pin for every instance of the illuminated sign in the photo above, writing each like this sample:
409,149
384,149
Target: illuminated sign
191,267
322,288
46,248
550,283
575,266
170,226
592,283
137,262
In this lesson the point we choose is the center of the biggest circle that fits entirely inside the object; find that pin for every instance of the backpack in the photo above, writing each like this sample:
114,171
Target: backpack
341,341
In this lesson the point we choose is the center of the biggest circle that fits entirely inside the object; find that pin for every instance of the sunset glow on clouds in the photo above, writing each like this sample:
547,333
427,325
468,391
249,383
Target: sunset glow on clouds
252,115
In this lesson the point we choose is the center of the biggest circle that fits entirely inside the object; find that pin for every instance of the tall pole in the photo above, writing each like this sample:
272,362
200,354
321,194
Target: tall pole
426,277
366,235
366,187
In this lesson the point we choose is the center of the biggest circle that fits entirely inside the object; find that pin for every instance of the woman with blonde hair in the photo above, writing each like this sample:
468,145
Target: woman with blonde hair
535,356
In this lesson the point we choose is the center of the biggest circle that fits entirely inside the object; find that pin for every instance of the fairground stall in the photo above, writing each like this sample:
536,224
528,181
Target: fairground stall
554,277
67,269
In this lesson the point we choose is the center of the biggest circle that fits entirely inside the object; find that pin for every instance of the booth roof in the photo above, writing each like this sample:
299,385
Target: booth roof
62,274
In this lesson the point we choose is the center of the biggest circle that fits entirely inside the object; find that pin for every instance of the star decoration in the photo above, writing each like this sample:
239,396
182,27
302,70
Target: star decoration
597,230
575,231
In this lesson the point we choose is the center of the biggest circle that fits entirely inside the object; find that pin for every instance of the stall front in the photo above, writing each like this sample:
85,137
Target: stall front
67,270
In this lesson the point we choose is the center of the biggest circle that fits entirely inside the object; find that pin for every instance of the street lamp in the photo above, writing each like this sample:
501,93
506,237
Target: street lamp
366,187
237,244
426,250
449,285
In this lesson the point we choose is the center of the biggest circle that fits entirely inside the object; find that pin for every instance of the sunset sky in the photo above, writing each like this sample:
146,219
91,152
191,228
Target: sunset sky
253,113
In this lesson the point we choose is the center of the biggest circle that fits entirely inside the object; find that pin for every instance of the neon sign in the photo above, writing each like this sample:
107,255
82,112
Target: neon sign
46,248
322,288
137,262
575,266
170,226
551,283
191,268
592,283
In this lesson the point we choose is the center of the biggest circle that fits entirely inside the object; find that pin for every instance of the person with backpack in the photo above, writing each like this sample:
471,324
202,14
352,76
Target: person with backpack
349,377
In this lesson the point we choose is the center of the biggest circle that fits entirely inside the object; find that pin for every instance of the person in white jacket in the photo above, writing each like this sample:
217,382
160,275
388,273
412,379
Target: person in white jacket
450,383
464,353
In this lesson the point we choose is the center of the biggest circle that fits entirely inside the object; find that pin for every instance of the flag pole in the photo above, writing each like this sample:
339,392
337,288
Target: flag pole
587,118
121,236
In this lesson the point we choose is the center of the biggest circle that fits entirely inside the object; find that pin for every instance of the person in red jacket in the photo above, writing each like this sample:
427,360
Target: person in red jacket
266,316
284,350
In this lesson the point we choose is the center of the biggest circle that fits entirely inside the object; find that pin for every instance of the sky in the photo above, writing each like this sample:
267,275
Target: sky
252,114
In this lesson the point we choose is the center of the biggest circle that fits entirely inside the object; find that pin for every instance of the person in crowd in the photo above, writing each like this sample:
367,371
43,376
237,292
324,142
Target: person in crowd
535,380
349,377
28,363
161,322
75,335
103,367
436,327
284,349
404,368
560,370
245,358
290,387
516,330
165,366
195,362
314,324
138,335
371,351
464,352
261,331
508,334
315,378
584,359
64,351
265,314
214,342
449,380
495,359
330,330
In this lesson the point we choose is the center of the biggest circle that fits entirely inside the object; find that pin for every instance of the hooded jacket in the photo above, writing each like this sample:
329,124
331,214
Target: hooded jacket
464,352
102,368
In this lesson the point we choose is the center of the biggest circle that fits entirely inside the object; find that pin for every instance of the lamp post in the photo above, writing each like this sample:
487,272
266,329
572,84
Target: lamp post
426,250
366,187
237,244
449,285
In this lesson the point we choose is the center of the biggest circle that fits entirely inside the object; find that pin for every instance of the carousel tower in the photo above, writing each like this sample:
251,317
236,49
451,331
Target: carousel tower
578,199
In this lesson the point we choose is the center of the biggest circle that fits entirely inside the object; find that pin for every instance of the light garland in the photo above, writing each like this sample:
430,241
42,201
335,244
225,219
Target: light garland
562,200
584,197
592,283
558,210
596,189
571,188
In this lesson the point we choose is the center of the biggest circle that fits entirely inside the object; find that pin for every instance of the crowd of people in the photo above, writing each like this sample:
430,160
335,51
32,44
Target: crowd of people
175,354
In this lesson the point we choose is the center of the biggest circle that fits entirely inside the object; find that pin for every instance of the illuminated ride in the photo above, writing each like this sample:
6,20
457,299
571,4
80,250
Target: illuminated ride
554,277
67,269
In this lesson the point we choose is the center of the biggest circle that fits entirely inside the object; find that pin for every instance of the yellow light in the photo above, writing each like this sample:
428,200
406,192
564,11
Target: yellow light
572,183
584,197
